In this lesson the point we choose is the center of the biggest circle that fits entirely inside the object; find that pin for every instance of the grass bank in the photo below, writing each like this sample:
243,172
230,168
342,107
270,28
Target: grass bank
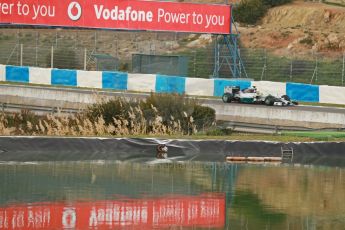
236,136
317,135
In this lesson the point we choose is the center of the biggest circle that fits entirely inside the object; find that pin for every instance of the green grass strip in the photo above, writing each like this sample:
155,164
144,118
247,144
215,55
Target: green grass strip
316,134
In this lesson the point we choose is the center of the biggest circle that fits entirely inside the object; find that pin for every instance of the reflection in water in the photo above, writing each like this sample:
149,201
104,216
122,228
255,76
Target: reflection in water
252,208
197,211
81,195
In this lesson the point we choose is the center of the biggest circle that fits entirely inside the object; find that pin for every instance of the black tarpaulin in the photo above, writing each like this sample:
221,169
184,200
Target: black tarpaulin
144,149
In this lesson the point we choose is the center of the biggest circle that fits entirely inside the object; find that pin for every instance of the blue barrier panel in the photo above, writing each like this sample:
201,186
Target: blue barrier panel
17,74
303,92
114,80
220,84
64,77
170,84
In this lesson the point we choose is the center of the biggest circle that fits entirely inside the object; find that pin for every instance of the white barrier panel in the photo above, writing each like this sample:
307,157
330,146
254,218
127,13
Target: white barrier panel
199,87
89,79
268,87
332,94
40,76
2,73
141,82
193,86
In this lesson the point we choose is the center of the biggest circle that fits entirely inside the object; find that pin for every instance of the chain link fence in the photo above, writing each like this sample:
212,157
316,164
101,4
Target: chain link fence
114,50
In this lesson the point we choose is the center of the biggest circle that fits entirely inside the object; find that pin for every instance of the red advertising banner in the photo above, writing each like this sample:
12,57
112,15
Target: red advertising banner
120,14
205,211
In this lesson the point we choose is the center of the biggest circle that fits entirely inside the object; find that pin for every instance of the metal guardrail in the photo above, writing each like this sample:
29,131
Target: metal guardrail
272,129
6,107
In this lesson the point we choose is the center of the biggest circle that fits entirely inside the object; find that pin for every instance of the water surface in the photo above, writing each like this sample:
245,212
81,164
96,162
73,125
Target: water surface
118,195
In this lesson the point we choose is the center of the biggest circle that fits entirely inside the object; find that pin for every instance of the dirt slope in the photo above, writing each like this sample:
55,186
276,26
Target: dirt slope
299,28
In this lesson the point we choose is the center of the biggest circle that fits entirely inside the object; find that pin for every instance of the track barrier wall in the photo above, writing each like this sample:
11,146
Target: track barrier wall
166,84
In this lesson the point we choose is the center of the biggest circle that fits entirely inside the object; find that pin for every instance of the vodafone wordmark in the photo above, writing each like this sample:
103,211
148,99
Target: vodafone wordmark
125,14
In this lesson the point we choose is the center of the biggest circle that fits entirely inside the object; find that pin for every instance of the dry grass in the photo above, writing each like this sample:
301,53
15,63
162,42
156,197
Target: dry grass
136,126
80,125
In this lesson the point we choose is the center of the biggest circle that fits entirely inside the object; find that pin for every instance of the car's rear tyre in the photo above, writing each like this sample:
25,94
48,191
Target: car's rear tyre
227,97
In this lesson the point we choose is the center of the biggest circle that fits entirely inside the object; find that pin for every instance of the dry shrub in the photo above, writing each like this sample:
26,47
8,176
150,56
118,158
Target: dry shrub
4,129
158,114
175,110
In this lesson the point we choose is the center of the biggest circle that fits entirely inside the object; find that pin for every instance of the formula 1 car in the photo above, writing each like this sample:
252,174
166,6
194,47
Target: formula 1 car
252,96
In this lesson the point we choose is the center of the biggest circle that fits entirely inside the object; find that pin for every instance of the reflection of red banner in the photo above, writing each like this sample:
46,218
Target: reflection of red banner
187,211
125,14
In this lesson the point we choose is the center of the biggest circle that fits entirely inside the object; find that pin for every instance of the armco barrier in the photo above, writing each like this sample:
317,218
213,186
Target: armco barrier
166,84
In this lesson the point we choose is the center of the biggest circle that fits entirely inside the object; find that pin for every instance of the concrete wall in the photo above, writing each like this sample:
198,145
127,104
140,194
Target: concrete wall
280,116
166,84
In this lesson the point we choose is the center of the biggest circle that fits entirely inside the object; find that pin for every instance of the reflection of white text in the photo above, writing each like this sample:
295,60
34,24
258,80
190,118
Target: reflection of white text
118,215
25,218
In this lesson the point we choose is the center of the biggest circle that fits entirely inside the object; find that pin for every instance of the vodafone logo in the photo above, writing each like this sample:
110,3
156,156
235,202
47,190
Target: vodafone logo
74,11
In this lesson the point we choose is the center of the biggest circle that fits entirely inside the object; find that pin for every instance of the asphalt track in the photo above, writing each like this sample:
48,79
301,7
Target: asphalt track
298,107
135,95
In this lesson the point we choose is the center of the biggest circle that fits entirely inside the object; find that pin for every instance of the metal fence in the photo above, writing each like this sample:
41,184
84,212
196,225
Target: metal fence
83,49
80,49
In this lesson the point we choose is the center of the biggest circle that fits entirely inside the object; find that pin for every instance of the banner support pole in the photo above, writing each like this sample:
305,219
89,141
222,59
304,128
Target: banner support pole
21,54
52,58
